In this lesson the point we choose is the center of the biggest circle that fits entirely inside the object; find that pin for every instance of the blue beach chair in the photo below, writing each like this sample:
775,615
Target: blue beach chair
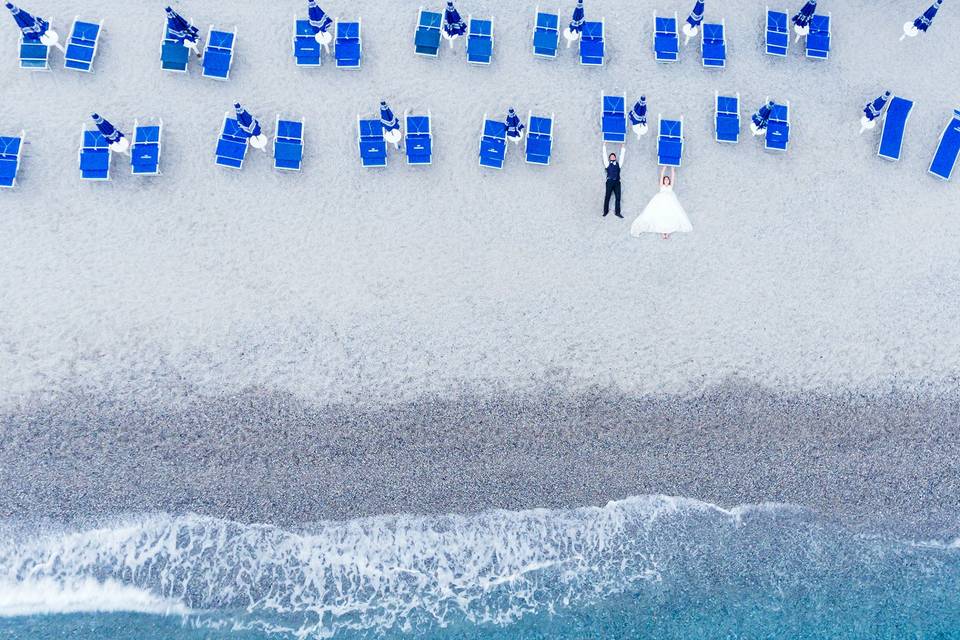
539,139
778,128
479,41
493,144
307,52
666,40
288,145
426,40
232,144
546,34
713,45
945,159
419,139
174,56
592,44
373,148
348,46
147,145
670,142
34,54
728,118
894,127
11,151
82,45
818,40
218,54
95,156
613,118
778,35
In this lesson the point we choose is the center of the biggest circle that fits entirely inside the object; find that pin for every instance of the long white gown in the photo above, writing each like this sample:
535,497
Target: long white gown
664,214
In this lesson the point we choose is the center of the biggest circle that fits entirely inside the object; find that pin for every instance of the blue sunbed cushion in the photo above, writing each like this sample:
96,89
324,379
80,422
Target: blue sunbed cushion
417,125
216,62
174,55
538,146
494,129
480,47
145,154
728,104
548,21
288,150
79,53
34,54
894,124
221,40
94,160
728,126
427,38
231,148
8,169
546,40
945,158
348,30
290,129
540,126
146,134
431,20
87,31
10,146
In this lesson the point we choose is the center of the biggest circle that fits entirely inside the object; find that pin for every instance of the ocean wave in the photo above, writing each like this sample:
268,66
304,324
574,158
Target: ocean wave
86,595
404,572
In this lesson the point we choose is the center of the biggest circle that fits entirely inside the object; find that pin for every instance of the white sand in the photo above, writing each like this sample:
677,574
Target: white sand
825,267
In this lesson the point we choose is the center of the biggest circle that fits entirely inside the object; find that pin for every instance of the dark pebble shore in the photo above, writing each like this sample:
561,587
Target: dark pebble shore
271,458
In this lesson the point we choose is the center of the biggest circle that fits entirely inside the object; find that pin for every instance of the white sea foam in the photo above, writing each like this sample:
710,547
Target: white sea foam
82,595
385,572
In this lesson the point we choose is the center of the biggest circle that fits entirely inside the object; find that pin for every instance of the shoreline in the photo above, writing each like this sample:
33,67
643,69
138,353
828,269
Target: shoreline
272,458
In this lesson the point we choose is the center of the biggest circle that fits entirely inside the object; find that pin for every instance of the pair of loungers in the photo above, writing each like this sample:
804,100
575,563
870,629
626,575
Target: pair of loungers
613,127
95,156
727,123
894,129
217,53
418,144
538,146
427,37
818,40
713,42
347,44
80,52
234,142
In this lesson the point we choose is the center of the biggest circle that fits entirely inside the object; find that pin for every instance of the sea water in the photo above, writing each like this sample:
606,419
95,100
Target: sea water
647,567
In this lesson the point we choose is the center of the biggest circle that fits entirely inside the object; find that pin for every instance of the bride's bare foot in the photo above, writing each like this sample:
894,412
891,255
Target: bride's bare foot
665,236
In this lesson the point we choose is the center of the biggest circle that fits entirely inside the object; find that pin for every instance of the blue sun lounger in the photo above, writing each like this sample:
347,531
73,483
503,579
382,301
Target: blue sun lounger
82,45
713,45
613,118
232,144
479,41
945,159
94,156
894,127
778,35
666,40
419,139
778,128
426,40
592,45
218,54
145,152
347,45
493,144
307,52
728,118
174,56
11,151
818,40
539,139
546,34
670,142
34,54
288,145
373,148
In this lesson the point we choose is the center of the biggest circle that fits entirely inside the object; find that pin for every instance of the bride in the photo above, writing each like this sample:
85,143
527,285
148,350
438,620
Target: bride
664,214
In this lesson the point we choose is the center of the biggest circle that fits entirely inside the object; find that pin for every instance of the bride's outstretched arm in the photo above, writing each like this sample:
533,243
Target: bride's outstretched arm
663,172
673,176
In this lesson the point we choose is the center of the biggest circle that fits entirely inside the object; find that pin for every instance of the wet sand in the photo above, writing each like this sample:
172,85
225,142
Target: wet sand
271,458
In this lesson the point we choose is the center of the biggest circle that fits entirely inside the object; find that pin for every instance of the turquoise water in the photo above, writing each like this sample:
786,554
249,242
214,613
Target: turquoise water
646,567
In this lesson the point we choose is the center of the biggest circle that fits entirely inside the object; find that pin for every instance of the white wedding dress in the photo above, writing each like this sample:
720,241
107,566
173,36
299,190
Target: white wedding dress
664,214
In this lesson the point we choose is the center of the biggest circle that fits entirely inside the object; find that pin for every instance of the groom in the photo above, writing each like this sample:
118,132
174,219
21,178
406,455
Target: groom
613,166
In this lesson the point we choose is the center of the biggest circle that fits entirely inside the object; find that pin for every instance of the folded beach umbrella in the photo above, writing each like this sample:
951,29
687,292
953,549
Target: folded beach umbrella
33,27
179,28
692,26
514,126
801,21
760,119
118,142
250,126
638,117
922,23
391,124
572,32
453,24
321,22
872,112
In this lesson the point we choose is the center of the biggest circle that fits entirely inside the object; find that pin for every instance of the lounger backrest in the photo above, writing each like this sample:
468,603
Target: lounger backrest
713,32
541,126
614,105
548,21
418,125
727,104
494,129
666,26
592,30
